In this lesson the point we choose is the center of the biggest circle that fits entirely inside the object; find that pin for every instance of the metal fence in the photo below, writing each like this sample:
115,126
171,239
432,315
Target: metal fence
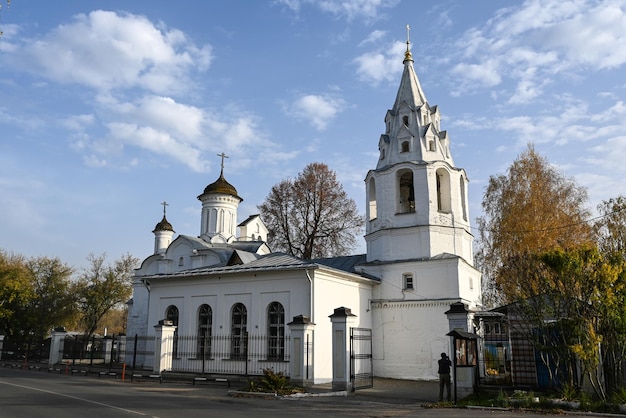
24,349
92,350
246,354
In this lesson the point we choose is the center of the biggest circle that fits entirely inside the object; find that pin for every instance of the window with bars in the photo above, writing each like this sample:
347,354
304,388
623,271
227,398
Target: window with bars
239,321
275,331
205,331
171,313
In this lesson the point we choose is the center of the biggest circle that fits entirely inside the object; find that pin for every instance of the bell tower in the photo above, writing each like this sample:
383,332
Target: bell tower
419,242
416,197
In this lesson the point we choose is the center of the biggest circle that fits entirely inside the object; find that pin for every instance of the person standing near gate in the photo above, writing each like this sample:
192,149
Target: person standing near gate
444,375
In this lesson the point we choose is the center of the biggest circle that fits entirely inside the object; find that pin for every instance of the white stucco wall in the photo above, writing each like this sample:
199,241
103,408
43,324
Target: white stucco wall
331,293
221,293
331,290
409,326
409,337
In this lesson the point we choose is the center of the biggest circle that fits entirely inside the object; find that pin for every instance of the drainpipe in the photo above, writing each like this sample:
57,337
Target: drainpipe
311,288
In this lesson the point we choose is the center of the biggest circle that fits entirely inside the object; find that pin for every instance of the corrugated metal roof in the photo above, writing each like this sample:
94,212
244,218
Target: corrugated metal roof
274,261
345,263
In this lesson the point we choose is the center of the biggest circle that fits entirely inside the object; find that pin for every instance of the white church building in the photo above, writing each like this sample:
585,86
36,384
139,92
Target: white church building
419,262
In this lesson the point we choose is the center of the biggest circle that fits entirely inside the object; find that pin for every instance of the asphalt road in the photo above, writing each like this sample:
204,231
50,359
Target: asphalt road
27,393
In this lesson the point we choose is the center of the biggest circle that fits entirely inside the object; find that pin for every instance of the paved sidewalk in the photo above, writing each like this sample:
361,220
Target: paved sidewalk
391,391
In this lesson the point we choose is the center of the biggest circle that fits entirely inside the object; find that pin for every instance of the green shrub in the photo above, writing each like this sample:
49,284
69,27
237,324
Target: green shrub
272,382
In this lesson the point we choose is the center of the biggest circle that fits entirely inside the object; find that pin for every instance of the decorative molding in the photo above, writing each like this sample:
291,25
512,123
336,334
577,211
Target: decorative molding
411,304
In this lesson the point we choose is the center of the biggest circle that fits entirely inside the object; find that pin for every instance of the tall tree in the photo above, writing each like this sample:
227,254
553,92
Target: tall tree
311,216
15,291
103,287
34,298
532,209
611,236
611,226
53,303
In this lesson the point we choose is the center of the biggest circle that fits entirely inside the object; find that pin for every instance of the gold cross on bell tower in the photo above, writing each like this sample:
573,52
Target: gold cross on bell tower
407,54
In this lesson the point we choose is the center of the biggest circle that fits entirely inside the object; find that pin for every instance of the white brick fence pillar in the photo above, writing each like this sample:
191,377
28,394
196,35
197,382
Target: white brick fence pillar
301,358
57,341
342,318
163,345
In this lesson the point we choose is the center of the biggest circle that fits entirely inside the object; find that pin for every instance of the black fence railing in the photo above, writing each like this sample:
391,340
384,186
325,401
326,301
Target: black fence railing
25,349
245,354
93,350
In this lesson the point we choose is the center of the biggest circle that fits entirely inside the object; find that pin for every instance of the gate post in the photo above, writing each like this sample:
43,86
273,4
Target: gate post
1,344
57,340
341,319
300,363
121,348
107,347
163,345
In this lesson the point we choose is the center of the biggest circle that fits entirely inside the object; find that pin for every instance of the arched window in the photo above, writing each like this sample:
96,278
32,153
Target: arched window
463,206
220,221
275,331
205,331
212,227
405,120
372,199
443,191
171,313
406,193
405,146
181,261
239,334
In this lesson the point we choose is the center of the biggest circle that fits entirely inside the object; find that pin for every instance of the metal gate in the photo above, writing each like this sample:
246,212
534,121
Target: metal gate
361,371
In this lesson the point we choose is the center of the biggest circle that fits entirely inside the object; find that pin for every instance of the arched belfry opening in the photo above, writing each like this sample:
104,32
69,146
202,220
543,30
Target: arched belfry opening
462,187
443,191
406,192
372,205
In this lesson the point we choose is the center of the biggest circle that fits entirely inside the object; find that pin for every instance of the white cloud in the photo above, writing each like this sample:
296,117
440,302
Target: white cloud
121,55
373,37
159,142
78,122
382,64
531,43
106,51
166,114
317,110
350,9
94,161
610,155
485,73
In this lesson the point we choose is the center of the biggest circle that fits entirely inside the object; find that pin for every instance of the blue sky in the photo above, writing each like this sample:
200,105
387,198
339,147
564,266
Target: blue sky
108,108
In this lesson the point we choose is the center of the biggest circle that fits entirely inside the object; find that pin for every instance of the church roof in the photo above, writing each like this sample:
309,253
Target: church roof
220,186
249,219
164,225
270,262
410,90
346,263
